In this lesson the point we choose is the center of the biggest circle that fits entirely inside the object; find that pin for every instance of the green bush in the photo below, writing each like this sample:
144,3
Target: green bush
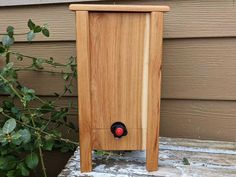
27,131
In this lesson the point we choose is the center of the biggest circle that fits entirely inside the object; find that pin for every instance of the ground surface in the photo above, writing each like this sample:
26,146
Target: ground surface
206,158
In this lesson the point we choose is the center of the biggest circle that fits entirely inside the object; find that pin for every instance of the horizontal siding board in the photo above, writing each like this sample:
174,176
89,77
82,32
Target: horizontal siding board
187,19
192,68
199,119
200,69
202,18
45,83
213,120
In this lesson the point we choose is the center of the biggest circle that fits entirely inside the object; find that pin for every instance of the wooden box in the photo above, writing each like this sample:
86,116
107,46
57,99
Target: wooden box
119,50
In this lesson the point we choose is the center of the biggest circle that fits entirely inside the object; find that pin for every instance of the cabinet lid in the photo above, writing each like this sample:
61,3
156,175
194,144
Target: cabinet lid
120,8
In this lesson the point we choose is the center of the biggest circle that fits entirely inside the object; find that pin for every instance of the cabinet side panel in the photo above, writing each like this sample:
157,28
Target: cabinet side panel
83,55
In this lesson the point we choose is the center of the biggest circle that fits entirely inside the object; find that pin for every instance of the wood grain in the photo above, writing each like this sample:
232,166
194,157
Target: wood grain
116,68
104,140
117,54
154,90
85,120
119,8
189,19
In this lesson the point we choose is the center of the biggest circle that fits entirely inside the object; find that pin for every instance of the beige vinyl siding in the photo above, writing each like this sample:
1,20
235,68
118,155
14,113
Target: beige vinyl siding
199,65
187,19
38,2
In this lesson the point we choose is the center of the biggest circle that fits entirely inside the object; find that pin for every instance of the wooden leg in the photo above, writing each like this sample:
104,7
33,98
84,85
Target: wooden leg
85,120
154,90
85,156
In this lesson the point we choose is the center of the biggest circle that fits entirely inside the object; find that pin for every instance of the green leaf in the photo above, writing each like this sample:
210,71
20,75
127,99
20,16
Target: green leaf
100,152
66,76
38,63
46,108
31,24
37,29
7,104
1,109
3,161
23,169
7,57
25,135
185,161
65,149
57,115
24,118
11,173
10,31
45,32
7,41
9,65
2,49
32,160
48,145
7,162
9,126
3,138
30,35
15,136
26,90
19,57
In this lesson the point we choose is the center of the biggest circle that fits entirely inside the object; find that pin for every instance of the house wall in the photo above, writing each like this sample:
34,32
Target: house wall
199,64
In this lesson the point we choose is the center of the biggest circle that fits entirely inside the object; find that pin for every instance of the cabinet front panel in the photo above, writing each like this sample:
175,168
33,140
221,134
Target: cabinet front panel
119,45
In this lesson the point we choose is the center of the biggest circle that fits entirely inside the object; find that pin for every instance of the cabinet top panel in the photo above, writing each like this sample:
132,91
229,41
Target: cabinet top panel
120,8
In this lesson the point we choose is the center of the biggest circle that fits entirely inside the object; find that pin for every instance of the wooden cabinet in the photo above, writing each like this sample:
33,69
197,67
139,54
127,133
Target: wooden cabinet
119,51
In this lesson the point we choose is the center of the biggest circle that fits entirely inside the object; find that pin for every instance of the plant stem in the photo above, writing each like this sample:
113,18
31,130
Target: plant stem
18,34
15,91
11,86
63,94
35,58
39,146
36,70
42,161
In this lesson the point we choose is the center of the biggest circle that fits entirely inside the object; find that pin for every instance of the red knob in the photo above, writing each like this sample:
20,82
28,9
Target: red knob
119,131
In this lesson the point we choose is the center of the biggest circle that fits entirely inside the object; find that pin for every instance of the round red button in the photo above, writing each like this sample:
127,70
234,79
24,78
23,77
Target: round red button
119,131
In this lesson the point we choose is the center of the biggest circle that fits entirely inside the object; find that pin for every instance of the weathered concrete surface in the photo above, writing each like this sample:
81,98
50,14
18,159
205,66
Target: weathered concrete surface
206,158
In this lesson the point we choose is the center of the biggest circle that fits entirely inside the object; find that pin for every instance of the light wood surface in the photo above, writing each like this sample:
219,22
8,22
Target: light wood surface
154,90
216,19
146,55
116,68
85,110
104,140
117,55
124,8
